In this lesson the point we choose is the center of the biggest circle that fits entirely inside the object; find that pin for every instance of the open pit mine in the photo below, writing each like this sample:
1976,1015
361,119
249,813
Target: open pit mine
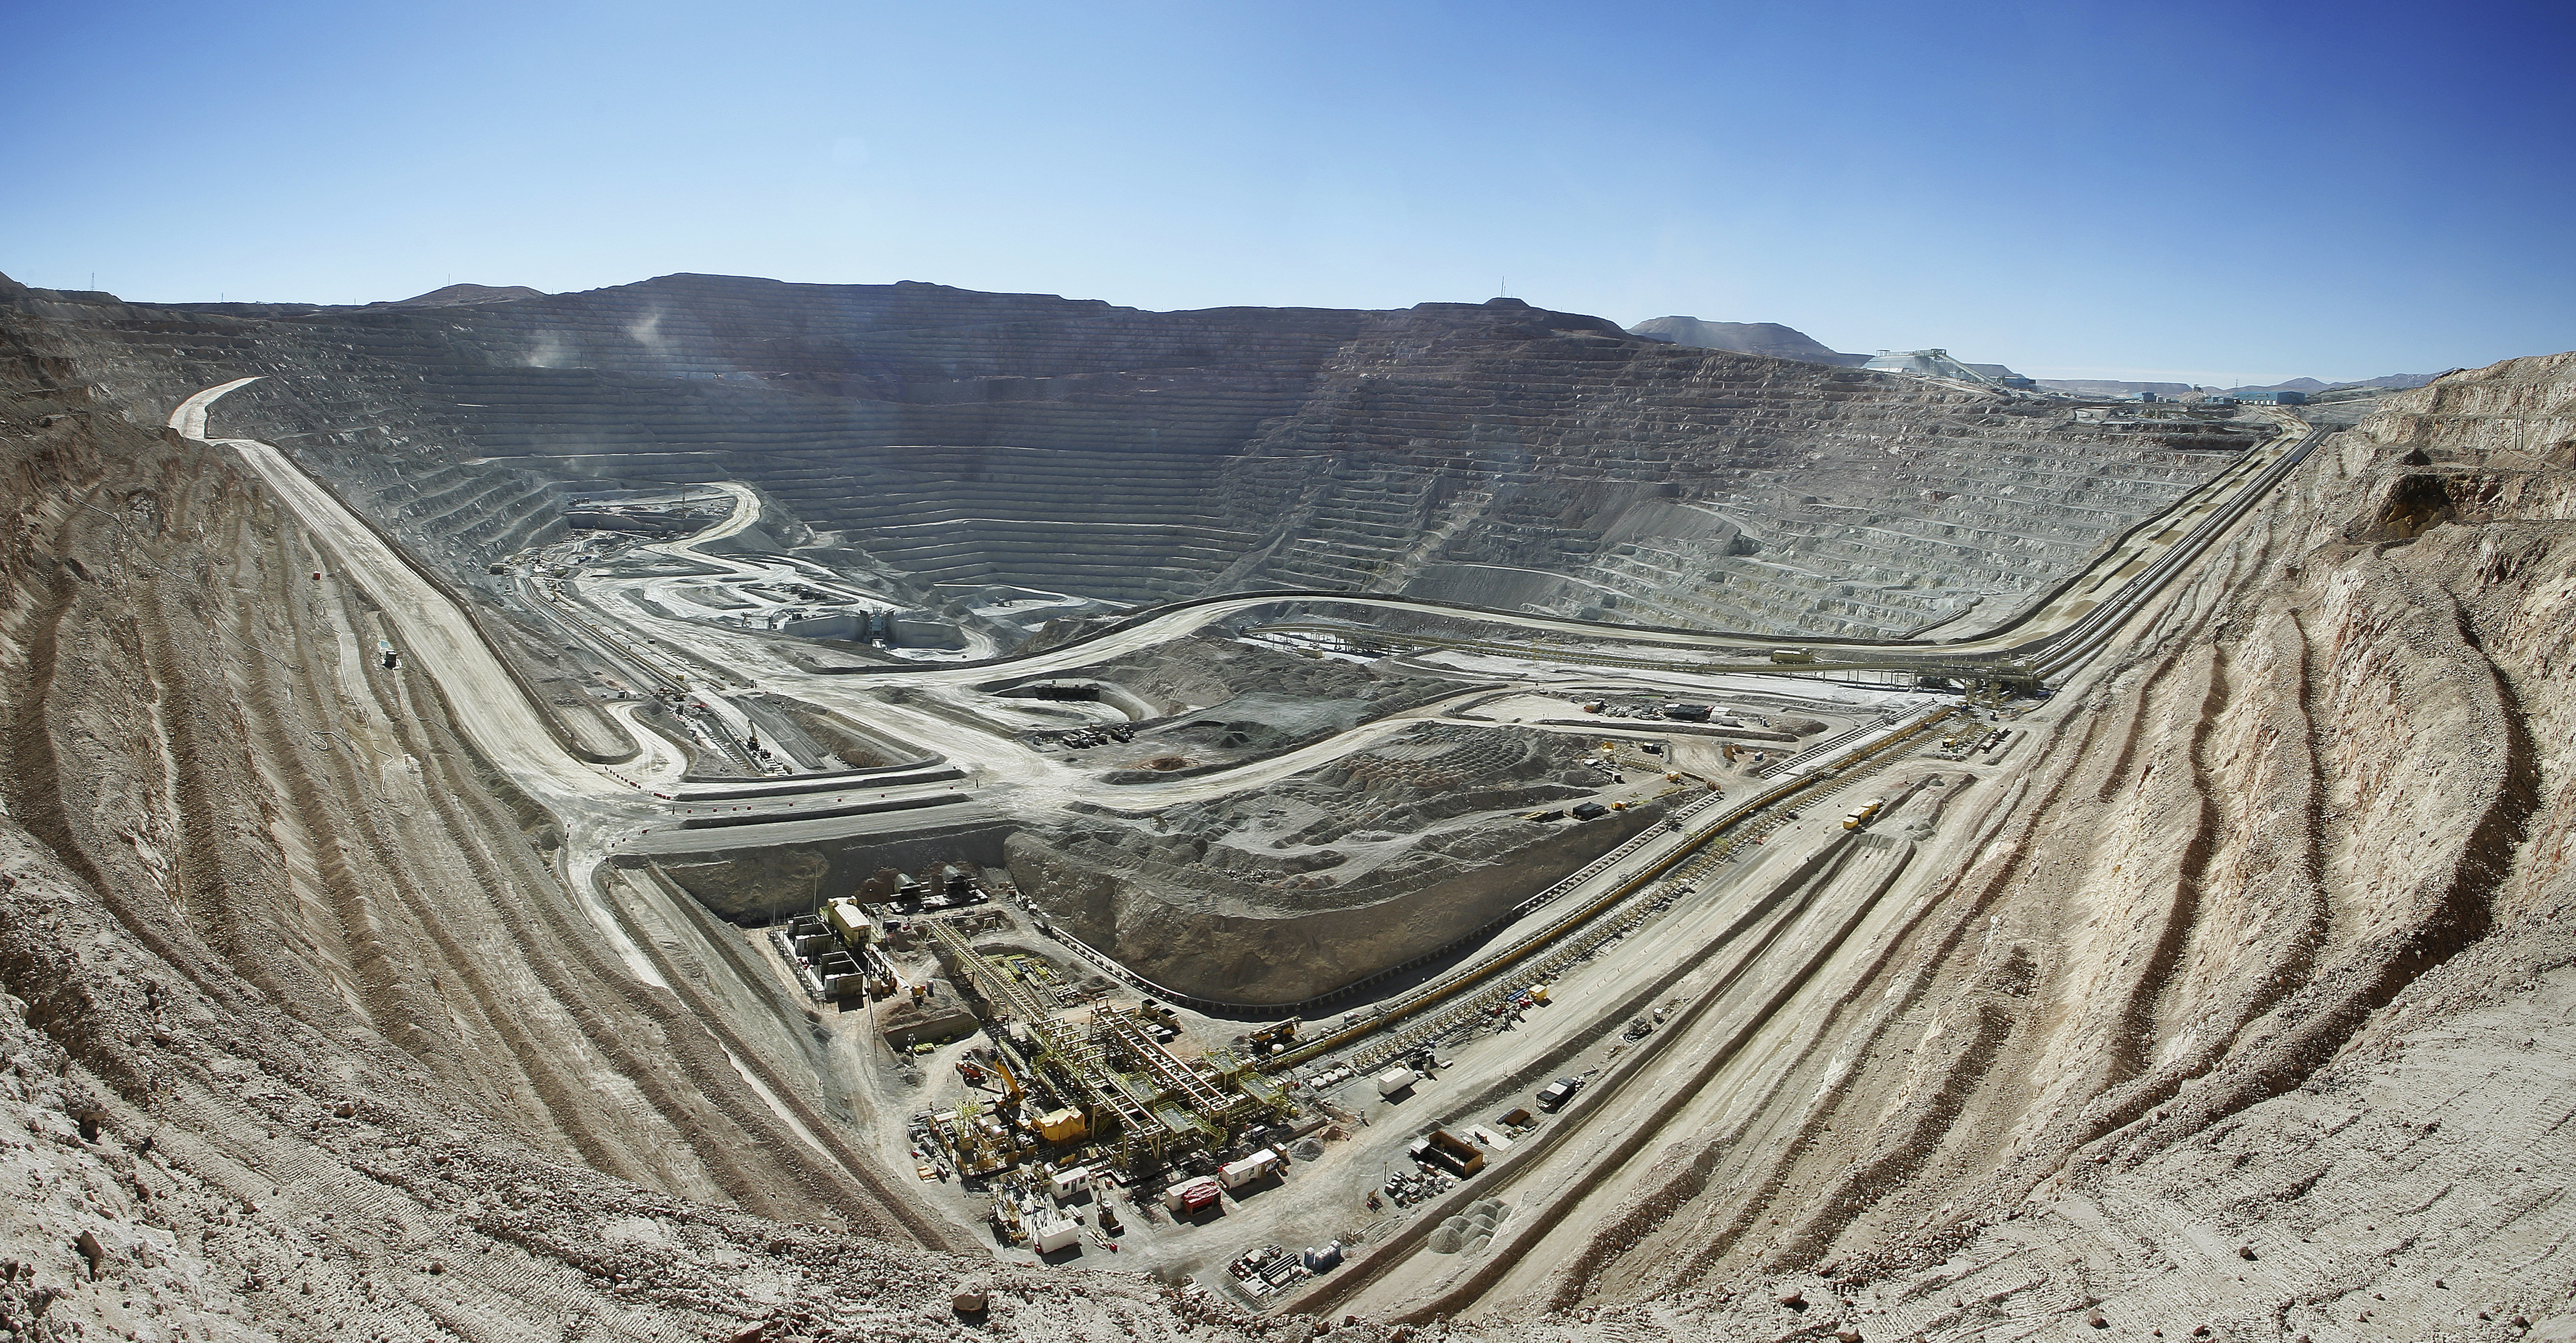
720,809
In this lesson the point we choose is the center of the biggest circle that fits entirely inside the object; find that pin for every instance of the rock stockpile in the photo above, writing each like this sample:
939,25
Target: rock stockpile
1282,893
1278,893
1771,338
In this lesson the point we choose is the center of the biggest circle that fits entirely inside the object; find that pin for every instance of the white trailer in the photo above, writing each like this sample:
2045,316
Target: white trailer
1237,1174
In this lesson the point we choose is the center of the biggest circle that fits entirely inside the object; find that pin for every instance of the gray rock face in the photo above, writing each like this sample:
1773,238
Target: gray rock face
2110,387
1533,460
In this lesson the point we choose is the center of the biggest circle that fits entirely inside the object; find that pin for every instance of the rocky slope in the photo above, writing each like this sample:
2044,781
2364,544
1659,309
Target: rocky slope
1508,457
2114,388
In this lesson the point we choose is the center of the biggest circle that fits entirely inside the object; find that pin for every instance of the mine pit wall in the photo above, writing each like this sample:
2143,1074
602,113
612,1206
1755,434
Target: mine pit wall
1492,453
1067,438
409,477
2286,888
1223,949
2323,803
1519,458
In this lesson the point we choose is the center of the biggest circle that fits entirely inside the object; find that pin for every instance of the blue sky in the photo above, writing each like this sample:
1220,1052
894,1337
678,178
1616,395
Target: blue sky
2205,192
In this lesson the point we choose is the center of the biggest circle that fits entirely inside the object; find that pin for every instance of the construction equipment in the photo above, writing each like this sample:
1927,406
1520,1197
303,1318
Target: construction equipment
1012,1092
1278,1033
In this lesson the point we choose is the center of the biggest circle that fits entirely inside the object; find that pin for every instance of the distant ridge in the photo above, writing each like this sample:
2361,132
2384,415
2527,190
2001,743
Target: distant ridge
2108,387
1766,338
455,294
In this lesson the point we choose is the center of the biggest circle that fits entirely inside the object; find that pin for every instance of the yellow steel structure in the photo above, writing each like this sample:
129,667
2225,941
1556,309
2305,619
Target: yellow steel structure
1158,1100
